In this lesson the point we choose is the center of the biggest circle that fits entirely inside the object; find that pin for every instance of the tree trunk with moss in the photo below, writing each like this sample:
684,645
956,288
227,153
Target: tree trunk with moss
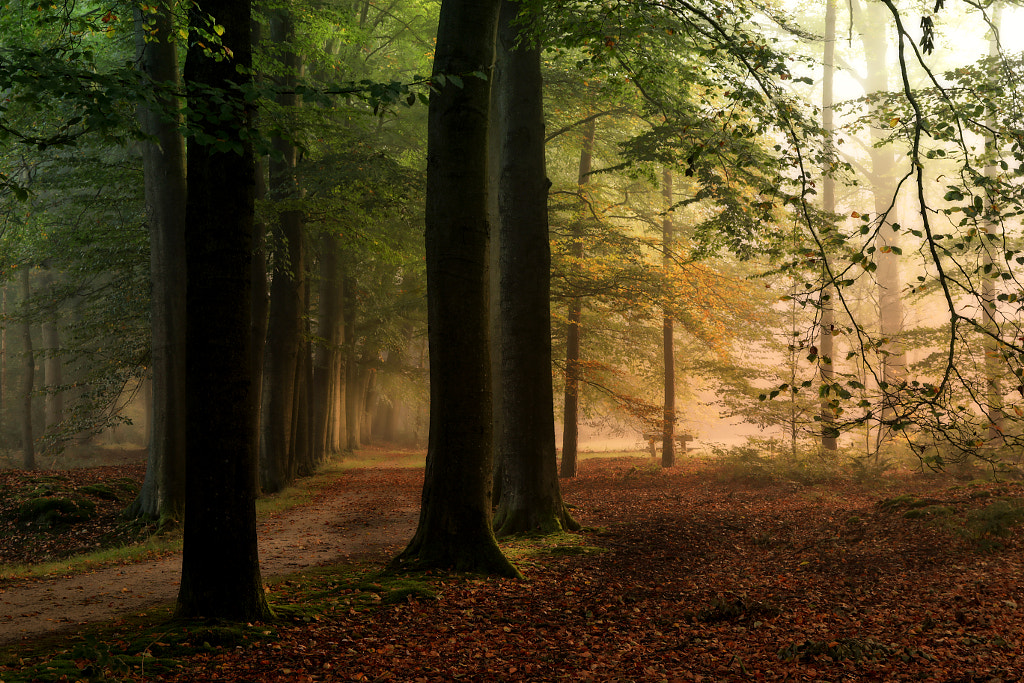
531,498
454,530
162,496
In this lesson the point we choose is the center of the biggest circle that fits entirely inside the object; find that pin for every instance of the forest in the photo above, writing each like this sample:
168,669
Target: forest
558,283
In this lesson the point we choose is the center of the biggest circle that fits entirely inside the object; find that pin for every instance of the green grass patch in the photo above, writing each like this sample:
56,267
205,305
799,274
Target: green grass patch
152,643
92,561
527,548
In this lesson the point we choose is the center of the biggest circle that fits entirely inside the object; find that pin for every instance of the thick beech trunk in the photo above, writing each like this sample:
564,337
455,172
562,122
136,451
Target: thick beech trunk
220,576
162,496
530,498
454,530
570,415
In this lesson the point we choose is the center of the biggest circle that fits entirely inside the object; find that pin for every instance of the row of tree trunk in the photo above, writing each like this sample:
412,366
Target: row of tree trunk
310,399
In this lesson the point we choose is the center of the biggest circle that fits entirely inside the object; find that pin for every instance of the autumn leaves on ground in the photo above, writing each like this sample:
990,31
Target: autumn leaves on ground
716,570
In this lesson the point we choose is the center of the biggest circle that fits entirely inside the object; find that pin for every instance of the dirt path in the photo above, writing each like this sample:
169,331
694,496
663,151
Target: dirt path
370,512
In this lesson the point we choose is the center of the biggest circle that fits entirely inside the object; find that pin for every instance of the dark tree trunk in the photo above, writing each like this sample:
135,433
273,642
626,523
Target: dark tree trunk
260,308
530,497
305,464
28,439
52,366
668,434
220,575
353,391
454,529
4,383
162,496
283,363
325,370
571,413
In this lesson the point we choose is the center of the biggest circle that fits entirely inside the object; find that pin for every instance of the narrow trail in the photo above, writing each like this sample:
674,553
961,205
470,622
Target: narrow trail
367,513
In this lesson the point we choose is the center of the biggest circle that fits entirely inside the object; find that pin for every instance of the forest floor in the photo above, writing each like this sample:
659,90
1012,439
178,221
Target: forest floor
711,571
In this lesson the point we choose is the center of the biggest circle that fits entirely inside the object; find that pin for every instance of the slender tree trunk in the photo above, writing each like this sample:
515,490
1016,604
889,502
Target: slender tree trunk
571,411
220,575
52,366
368,398
883,187
531,499
4,382
28,440
284,367
352,386
827,320
162,496
325,371
668,435
994,365
454,530
260,307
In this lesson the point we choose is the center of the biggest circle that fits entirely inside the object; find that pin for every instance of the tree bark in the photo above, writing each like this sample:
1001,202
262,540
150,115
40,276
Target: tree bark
52,365
220,575
28,440
353,391
454,530
883,187
162,496
283,365
570,415
325,371
828,194
994,364
531,499
668,435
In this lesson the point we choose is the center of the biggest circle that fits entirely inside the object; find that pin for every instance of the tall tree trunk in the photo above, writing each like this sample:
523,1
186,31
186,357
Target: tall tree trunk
353,391
828,195
28,439
283,363
668,434
454,530
52,366
4,382
571,411
162,496
531,498
325,371
883,187
302,430
994,365
220,574
260,306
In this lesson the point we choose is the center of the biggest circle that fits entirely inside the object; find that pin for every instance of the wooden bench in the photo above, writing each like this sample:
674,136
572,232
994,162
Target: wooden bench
655,438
